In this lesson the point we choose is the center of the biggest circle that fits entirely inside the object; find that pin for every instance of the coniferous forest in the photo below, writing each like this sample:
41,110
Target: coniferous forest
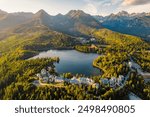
82,33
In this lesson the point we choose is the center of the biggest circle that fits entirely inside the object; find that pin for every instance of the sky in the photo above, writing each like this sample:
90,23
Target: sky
93,7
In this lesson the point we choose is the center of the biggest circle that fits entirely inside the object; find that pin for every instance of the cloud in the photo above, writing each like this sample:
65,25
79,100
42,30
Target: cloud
138,8
135,2
90,8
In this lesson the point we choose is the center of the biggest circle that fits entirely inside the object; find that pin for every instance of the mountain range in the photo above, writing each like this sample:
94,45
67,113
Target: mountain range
74,23
68,24
137,24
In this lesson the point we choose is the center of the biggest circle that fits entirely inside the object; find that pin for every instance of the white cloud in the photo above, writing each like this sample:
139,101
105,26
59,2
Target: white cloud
135,2
139,9
90,8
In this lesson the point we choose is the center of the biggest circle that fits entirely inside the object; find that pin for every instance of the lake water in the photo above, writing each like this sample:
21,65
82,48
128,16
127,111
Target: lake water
72,61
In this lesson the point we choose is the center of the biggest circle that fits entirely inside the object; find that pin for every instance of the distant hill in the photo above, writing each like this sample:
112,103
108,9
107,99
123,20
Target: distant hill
9,20
137,24
79,16
37,32
2,14
73,23
70,22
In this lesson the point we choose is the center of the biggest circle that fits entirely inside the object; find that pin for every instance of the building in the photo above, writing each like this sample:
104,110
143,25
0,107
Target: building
120,80
43,72
46,76
112,82
105,81
83,81
93,47
93,39
86,81
90,81
45,79
51,78
96,85
66,80
39,75
36,82
122,77
134,65
83,40
130,64
74,80
59,79
50,68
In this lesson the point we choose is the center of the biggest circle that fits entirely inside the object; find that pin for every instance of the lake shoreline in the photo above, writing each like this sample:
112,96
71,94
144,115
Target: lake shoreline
72,61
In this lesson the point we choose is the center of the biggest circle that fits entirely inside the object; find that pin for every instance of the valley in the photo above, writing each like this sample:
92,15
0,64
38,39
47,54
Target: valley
73,45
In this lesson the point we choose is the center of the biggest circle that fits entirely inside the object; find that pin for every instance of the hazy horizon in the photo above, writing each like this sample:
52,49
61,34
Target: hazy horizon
67,12
93,7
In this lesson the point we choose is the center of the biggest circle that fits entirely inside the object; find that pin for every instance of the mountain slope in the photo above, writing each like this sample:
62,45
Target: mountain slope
35,34
69,24
10,20
79,16
134,24
39,22
2,14
37,40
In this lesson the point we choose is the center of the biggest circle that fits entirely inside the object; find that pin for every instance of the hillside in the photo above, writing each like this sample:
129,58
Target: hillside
37,41
75,23
26,37
69,24
2,14
12,19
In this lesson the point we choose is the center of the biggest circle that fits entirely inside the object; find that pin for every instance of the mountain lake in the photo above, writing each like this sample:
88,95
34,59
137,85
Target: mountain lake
72,61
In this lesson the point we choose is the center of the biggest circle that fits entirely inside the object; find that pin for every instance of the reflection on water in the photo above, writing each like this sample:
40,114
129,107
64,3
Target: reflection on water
72,61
